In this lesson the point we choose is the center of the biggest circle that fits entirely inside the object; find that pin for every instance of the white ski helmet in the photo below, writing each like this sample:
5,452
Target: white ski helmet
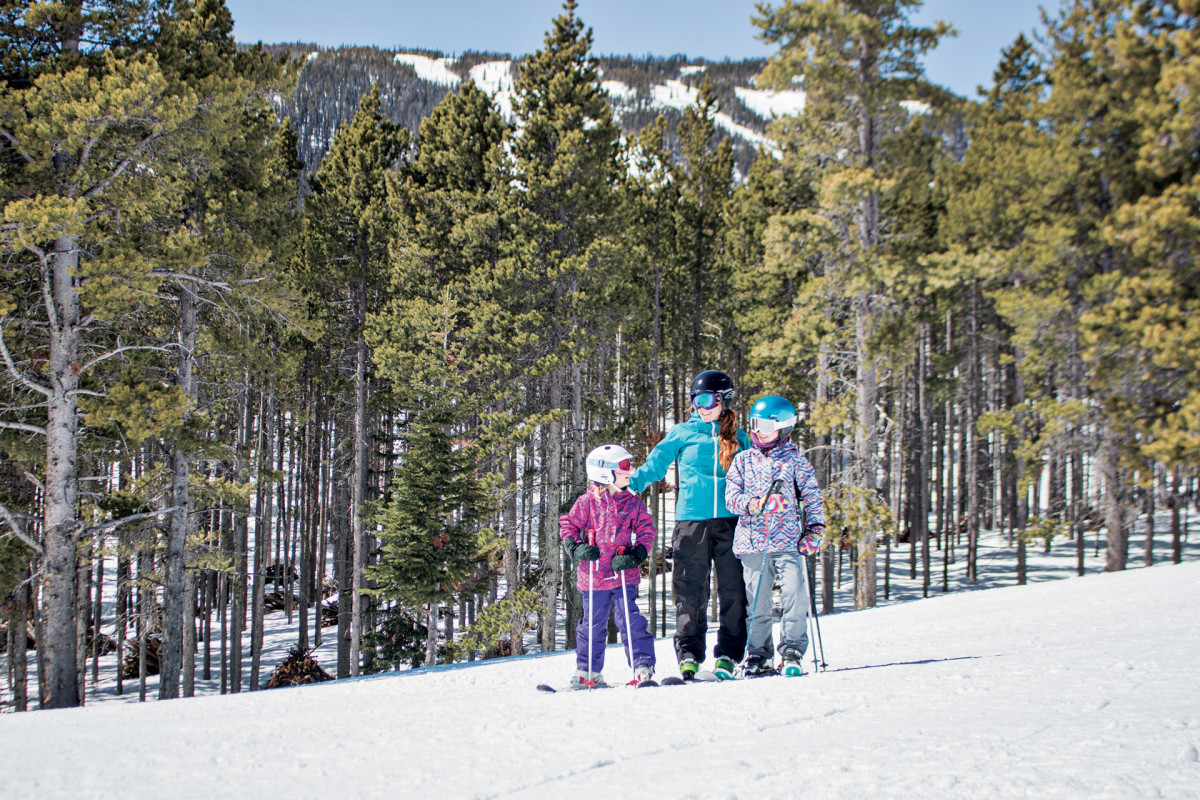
605,460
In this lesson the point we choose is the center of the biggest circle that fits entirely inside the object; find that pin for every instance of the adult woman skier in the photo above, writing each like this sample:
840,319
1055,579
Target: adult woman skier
703,448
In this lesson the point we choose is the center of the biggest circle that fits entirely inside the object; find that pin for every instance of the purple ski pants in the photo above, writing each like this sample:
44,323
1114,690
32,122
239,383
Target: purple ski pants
594,623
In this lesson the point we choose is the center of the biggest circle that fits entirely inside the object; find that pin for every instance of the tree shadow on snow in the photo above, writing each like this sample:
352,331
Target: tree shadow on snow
910,663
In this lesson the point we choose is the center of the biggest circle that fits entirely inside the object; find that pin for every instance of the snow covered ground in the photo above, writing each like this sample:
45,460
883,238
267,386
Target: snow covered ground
1078,688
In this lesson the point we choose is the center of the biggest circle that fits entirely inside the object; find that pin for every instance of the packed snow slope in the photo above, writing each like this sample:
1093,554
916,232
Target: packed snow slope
1084,688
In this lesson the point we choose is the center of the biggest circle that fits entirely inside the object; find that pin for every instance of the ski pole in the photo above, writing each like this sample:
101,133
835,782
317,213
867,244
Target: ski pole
628,630
775,487
591,610
816,617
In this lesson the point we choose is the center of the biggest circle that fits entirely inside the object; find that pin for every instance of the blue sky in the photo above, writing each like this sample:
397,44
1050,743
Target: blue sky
712,29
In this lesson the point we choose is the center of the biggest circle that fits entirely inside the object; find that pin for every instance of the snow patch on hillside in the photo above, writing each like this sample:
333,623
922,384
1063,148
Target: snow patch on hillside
434,70
496,78
769,104
493,76
619,90
691,69
752,136
916,107
675,94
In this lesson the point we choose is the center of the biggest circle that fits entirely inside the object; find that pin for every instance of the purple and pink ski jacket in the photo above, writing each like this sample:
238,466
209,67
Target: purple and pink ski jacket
609,521
751,475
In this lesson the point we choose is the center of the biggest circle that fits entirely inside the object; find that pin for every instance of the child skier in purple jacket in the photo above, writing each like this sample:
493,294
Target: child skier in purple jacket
609,532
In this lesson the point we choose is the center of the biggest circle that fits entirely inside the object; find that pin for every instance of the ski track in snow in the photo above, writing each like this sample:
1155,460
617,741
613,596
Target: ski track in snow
1080,688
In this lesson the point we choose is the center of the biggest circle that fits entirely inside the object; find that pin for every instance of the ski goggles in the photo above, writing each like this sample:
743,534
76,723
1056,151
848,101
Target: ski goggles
706,400
624,465
764,425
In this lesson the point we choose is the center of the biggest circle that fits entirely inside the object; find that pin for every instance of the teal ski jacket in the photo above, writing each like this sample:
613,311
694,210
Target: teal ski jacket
701,480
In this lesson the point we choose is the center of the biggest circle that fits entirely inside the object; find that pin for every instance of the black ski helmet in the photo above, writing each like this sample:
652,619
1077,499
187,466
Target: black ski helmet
715,381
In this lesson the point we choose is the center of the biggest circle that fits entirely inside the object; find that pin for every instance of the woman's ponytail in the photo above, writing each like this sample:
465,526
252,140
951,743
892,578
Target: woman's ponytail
729,439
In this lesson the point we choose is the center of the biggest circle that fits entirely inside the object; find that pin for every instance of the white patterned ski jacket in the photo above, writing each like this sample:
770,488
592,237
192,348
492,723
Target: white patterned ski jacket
751,475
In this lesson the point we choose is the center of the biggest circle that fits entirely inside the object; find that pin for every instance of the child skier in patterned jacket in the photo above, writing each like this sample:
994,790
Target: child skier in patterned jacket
609,532
775,533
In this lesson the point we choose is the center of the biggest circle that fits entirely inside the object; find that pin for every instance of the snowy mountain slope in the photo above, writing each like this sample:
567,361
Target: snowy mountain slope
412,83
1079,688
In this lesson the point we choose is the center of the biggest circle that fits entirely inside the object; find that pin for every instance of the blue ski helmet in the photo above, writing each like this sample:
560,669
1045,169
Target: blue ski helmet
771,413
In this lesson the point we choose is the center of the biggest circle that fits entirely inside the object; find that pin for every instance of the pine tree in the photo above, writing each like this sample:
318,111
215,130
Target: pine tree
348,228
566,165
74,127
858,61
429,525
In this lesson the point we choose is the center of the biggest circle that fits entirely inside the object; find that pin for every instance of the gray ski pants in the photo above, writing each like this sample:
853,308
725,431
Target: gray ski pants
792,572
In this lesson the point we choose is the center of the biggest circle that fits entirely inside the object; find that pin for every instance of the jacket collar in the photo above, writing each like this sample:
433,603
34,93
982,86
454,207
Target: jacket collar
780,450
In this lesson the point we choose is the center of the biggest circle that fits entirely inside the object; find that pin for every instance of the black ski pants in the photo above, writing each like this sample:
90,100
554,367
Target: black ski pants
697,544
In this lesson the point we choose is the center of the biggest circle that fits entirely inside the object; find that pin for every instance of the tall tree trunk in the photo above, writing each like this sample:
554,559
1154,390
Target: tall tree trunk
123,584
654,427
189,633
359,488
171,650
1177,504
83,578
241,542
1149,542
550,545
57,642
18,641
925,420
822,465
1117,537
512,554
343,544
865,434
974,440
262,531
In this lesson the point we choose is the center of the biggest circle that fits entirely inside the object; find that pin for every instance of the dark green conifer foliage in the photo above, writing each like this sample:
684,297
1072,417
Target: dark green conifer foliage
567,173
88,102
348,226
429,525
858,60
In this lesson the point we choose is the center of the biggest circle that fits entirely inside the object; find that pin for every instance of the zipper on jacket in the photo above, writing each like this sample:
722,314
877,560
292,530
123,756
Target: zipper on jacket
716,458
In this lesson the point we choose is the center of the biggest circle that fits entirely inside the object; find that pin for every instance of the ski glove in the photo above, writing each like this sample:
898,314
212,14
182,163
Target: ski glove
775,503
630,560
582,552
811,542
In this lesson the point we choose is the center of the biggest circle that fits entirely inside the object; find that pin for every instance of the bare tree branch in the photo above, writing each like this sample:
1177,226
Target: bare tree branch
4,134
16,373
22,426
116,352
137,150
15,529
116,523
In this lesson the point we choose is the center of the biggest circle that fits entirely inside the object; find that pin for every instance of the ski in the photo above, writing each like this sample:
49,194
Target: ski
545,687
703,676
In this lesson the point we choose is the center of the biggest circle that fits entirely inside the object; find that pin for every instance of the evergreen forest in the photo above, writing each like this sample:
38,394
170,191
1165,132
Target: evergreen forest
262,354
